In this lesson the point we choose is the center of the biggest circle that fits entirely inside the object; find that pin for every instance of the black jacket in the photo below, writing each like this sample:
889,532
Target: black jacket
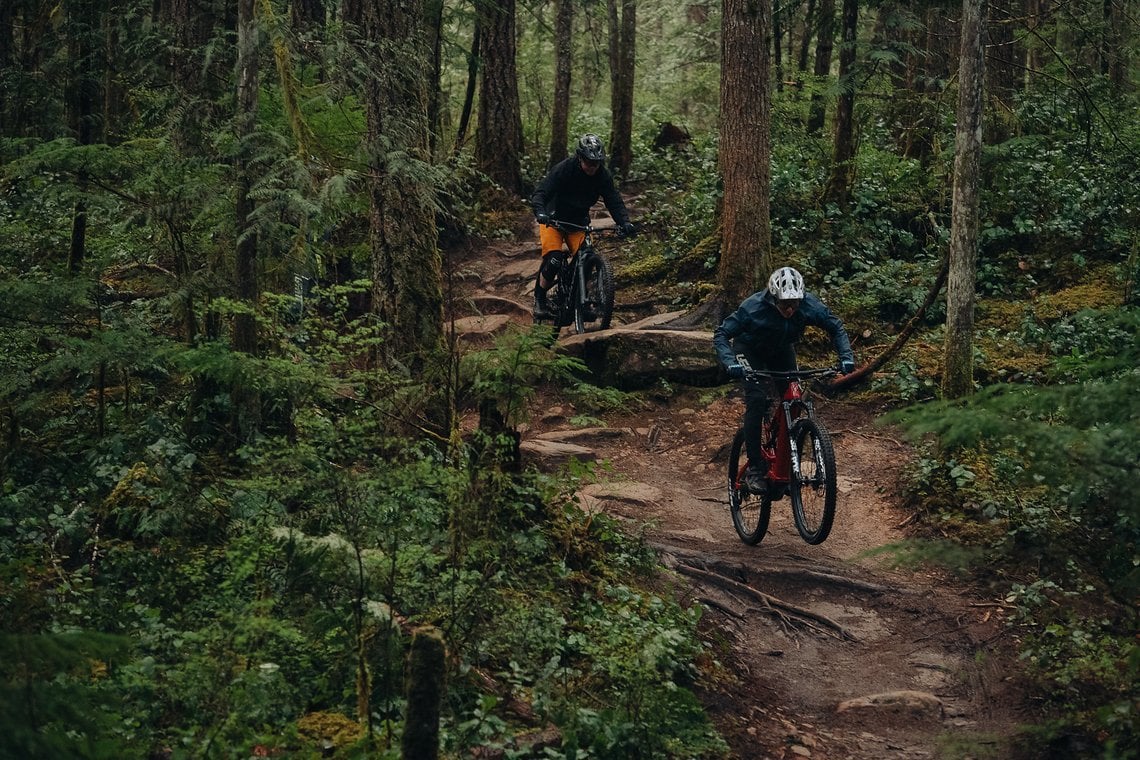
567,193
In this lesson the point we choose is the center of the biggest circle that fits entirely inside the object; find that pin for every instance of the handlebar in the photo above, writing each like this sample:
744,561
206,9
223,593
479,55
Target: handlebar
588,228
756,375
560,225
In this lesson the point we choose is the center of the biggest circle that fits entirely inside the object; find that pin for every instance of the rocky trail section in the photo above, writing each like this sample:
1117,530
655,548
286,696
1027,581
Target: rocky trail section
825,652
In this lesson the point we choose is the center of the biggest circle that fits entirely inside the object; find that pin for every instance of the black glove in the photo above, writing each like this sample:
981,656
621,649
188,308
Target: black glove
847,367
736,371
542,218
626,229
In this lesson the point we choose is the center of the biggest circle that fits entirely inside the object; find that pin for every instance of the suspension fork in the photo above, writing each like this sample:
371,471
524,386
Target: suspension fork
793,409
580,271
805,409
785,465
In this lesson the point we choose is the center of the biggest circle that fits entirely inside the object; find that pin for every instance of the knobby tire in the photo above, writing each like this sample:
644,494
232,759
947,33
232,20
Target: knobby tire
600,290
813,493
599,304
750,514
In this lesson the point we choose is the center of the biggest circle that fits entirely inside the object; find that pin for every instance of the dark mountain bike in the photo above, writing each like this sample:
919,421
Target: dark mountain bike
583,291
801,464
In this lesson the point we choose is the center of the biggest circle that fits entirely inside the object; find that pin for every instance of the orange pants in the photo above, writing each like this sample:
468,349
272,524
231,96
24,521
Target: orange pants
552,239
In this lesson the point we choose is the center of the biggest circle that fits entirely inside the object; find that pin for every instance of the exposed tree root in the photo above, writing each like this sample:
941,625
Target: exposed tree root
784,611
836,580
716,565
868,436
714,604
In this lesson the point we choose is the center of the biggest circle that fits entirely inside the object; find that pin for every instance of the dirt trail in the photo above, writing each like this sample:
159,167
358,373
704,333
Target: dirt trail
826,652
851,629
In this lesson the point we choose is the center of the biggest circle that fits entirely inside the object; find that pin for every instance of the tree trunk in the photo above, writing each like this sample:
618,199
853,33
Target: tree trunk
777,48
746,250
622,62
1037,22
1116,54
427,664
196,80
896,30
307,15
83,95
245,268
407,293
825,39
958,363
1003,67
352,12
498,146
7,59
805,41
469,95
245,404
434,25
842,177
563,54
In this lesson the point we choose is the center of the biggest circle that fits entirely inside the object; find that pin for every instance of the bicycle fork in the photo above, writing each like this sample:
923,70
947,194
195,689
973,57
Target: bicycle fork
793,447
580,279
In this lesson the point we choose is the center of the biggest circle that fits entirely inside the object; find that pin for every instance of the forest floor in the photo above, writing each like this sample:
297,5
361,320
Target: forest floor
826,651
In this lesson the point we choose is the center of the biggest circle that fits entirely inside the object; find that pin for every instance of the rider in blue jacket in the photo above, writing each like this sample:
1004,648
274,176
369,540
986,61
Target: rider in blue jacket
764,330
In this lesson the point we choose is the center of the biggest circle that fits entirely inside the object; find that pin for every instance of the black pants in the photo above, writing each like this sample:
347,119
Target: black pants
758,396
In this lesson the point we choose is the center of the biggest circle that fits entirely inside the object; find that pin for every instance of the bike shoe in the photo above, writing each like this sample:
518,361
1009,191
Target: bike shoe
755,481
541,305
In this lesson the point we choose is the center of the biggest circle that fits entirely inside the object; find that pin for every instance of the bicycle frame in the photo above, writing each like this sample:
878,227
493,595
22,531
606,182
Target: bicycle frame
572,297
574,268
776,444
801,463
783,459
571,284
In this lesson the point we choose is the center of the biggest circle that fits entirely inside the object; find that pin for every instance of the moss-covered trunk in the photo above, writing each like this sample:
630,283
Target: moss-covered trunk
406,285
424,692
958,360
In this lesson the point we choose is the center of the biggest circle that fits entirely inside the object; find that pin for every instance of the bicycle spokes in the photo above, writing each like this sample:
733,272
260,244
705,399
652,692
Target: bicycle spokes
813,489
750,512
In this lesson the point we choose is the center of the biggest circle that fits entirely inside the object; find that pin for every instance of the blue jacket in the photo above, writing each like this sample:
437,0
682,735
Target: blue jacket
567,193
759,328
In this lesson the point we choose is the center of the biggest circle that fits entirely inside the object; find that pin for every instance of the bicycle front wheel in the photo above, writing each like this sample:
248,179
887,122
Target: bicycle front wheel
813,491
599,304
750,513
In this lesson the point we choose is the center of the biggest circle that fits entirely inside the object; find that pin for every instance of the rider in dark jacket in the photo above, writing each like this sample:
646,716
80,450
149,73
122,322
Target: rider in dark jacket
764,330
566,194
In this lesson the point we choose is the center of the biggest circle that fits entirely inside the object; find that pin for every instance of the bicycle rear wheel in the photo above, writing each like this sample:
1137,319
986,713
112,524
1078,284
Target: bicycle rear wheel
750,513
813,491
599,304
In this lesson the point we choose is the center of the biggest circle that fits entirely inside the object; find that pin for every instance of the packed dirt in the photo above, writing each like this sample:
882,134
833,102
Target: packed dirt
826,651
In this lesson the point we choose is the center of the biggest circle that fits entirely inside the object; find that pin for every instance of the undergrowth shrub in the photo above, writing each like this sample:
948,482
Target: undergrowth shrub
1039,477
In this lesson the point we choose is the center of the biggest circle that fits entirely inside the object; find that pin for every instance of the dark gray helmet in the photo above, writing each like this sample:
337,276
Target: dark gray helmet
590,148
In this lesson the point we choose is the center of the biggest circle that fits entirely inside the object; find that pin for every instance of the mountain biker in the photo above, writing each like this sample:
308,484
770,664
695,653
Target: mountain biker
566,195
765,329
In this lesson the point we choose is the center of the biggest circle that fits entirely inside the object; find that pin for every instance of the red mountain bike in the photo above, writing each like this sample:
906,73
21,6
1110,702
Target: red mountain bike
801,463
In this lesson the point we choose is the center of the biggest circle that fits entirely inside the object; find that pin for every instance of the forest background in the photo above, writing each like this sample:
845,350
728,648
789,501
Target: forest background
238,497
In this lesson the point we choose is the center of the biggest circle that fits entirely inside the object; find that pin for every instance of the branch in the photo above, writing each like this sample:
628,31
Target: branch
864,372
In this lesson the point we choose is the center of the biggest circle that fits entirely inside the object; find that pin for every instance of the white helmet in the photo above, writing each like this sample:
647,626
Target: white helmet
785,284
